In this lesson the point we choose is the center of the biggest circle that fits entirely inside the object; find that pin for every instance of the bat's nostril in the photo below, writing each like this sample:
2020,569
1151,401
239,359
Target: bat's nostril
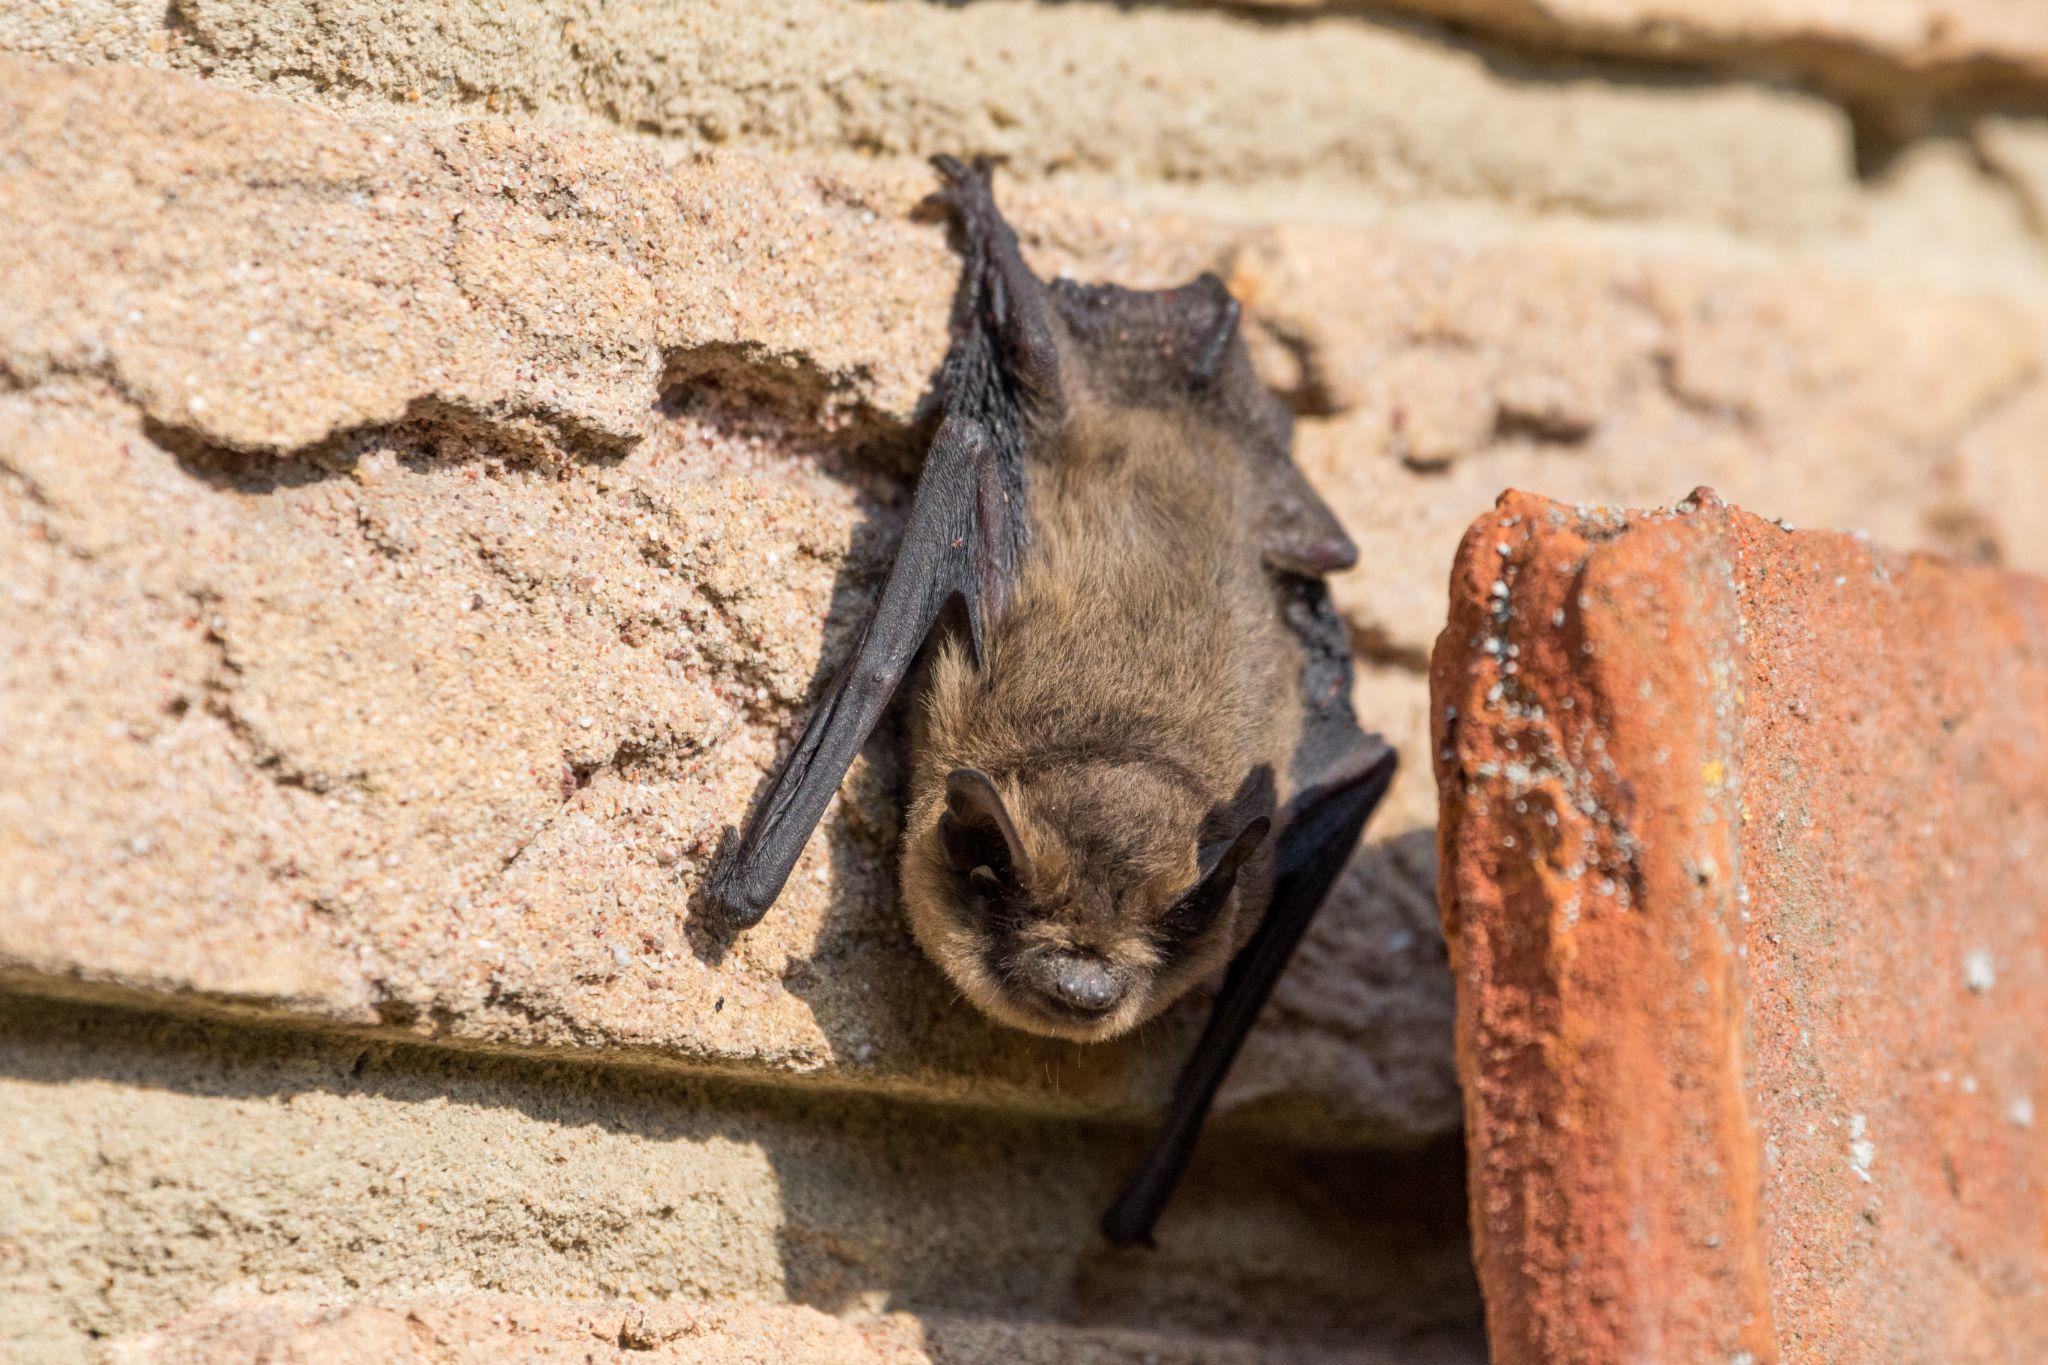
1082,983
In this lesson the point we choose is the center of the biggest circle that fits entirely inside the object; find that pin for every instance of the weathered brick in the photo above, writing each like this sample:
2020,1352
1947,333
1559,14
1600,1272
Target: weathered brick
479,1328
429,653
1741,850
159,1166
431,487
1885,47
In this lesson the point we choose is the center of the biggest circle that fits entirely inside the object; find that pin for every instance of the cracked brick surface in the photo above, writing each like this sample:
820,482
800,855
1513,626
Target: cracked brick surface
424,536
1741,872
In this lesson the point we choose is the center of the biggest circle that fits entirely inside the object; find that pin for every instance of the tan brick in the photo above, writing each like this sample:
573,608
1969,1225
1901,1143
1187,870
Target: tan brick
1739,831
1878,46
1131,94
159,1167
1605,375
454,1330
426,661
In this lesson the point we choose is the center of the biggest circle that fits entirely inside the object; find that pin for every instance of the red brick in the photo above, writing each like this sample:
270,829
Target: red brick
1742,846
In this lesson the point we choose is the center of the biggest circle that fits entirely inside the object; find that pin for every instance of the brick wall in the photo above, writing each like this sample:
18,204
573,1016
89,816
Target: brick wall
436,453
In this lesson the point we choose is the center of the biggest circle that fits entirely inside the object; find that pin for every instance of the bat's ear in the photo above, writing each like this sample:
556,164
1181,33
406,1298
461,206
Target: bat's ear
976,831
1233,830
1219,861
1221,328
1231,834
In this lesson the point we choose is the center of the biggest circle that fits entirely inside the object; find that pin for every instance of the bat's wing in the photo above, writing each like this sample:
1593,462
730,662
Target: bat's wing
967,529
1341,772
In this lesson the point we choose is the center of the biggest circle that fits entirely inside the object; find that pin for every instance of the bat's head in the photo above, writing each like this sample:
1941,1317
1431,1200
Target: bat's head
1082,899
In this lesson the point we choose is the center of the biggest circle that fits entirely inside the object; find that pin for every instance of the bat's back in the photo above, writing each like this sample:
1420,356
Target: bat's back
1143,620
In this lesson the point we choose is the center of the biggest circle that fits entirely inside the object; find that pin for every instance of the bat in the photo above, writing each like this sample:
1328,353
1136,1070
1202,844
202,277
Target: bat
1136,757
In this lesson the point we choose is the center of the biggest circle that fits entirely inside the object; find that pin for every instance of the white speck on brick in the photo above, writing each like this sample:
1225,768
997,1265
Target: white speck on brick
2021,1112
1862,1151
1979,972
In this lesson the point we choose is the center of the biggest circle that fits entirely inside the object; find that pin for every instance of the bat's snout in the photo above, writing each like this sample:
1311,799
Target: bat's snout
1076,984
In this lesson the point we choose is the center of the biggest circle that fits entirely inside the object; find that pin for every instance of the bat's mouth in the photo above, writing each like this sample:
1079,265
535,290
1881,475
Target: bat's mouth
1074,993
1034,1015
1054,990
1063,1021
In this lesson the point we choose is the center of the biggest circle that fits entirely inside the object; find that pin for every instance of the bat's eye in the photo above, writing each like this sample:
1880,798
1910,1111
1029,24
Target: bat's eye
1189,917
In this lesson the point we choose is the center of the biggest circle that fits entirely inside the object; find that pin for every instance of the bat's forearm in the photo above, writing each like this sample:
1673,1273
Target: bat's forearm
933,565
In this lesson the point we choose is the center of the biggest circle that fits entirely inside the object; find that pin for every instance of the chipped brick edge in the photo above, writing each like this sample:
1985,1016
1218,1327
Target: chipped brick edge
1586,688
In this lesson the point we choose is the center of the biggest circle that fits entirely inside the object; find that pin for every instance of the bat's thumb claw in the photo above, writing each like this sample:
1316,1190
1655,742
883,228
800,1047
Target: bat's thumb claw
968,183
736,904
736,894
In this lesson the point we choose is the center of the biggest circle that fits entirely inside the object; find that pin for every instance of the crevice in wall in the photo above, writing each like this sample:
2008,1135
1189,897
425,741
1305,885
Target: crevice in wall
781,384
1841,66
513,430
1888,102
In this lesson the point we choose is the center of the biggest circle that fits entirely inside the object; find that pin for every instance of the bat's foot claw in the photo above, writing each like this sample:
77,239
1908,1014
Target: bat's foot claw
1124,1227
970,186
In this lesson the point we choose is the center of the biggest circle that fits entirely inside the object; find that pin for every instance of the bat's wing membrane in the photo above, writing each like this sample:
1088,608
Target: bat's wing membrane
936,563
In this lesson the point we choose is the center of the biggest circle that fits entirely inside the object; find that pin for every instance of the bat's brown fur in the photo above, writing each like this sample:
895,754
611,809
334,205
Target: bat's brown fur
1139,671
